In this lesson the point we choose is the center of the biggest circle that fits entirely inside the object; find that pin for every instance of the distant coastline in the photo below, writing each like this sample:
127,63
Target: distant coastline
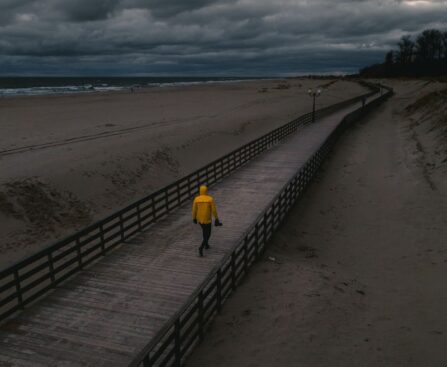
35,86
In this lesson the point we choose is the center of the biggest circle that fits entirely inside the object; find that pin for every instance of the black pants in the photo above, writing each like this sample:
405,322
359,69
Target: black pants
206,230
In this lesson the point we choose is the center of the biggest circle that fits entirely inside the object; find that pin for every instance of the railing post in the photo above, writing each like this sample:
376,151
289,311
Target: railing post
295,187
154,215
233,271
256,241
219,290
293,192
101,232
287,197
121,227
273,215
218,176
177,345
18,289
223,165
245,254
167,200
214,172
139,217
78,251
189,185
270,231
200,316
264,231
147,361
51,269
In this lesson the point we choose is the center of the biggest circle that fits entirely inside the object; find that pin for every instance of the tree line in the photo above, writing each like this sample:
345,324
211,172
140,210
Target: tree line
423,55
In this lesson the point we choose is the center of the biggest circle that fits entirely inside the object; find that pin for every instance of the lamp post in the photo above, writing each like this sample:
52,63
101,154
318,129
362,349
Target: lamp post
314,94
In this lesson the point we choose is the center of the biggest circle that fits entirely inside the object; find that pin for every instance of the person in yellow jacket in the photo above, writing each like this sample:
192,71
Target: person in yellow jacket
203,209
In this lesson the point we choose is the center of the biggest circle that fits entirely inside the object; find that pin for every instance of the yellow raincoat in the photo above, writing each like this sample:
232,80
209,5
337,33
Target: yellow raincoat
203,207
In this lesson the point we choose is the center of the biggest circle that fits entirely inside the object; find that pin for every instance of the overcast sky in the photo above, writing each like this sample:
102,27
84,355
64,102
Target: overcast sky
205,37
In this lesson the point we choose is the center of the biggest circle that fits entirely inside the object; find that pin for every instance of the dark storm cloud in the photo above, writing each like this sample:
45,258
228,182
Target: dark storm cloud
205,36
86,10
166,9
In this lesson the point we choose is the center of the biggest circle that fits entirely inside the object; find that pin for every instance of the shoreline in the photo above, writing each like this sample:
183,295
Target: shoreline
124,89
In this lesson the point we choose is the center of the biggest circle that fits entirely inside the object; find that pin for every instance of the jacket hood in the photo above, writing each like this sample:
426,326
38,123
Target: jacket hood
203,190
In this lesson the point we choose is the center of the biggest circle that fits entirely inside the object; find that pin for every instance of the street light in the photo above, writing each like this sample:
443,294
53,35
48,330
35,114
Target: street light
314,94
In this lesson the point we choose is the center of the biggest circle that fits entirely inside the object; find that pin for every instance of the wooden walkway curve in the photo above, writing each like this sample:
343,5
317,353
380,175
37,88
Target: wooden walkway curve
106,314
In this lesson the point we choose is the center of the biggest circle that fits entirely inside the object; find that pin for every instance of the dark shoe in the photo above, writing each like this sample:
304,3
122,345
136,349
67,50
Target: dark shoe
200,251
207,246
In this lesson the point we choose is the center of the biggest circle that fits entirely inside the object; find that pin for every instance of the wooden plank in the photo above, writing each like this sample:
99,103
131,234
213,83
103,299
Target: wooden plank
42,349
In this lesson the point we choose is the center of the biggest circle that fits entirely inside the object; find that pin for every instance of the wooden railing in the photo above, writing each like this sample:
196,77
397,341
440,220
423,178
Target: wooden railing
31,278
186,328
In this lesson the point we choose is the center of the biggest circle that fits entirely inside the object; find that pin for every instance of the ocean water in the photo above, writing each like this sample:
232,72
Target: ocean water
25,86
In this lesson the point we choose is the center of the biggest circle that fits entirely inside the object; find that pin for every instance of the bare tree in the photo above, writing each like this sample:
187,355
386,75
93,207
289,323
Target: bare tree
389,58
429,45
422,46
444,44
436,38
406,49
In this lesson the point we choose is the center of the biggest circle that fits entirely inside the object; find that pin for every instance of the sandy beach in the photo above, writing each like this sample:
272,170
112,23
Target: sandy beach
356,275
69,160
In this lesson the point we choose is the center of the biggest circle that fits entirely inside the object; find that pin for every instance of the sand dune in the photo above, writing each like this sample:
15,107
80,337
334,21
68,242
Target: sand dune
427,126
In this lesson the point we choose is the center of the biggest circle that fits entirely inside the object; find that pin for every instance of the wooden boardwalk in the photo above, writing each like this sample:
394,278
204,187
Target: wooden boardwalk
106,314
